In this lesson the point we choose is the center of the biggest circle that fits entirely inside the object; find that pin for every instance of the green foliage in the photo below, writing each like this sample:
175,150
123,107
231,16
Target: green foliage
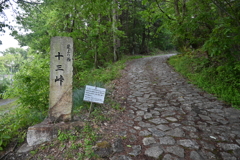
102,75
210,28
213,25
222,80
33,152
31,84
14,124
3,140
7,107
78,95
12,59
98,115
67,135
90,138
93,27
87,136
3,86
16,51
90,27
223,41
100,78
69,144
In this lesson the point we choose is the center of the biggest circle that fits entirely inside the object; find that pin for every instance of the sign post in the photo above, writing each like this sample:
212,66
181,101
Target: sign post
94,94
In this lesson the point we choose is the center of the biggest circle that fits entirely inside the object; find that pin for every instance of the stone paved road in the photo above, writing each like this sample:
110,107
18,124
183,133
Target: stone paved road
170,119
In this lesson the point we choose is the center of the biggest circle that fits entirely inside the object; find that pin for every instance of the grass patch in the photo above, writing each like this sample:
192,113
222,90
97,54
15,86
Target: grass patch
14,124
80,142
77,143
216,77
100,75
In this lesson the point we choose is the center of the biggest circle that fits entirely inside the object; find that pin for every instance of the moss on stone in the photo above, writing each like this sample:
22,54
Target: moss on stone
103,144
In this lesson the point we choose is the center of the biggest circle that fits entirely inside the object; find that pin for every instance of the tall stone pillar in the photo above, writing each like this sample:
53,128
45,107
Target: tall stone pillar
61,71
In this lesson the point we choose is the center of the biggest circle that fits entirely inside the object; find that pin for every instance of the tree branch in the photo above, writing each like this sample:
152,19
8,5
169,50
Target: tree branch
3,2
22,1
163,11
224,10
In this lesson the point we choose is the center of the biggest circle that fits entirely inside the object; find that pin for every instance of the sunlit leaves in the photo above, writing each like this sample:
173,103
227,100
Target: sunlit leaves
31,84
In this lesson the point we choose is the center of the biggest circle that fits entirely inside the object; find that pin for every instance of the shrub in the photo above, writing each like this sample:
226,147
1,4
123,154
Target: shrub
3,86
31,84
221,78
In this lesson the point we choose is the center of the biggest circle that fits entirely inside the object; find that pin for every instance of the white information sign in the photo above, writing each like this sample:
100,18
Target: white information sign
94,94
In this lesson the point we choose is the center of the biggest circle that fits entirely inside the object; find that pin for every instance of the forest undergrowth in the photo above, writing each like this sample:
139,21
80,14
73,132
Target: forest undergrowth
218,76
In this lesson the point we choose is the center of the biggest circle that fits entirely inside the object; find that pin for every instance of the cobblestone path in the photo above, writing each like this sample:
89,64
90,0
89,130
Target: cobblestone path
168,118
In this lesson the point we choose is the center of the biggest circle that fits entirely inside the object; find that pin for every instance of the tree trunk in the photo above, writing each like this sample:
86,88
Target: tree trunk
134,43
96,56
96,45
184,8
176,7
143,48
114,19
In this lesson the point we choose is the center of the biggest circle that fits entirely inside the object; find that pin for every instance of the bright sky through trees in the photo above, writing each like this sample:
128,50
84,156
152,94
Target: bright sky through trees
7,40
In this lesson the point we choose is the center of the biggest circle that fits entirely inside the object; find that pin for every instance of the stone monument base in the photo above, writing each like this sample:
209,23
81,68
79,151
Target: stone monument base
46,131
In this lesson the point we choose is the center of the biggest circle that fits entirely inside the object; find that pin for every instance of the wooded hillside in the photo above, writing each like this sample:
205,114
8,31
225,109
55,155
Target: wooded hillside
105,30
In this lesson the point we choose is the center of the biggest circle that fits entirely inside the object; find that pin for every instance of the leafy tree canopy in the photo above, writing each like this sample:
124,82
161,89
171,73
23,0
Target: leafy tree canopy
12,59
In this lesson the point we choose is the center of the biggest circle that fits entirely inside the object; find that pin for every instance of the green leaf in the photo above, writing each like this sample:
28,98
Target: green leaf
144,2
6,137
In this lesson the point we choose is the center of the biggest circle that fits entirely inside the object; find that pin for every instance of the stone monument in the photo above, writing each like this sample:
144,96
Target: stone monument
60,101
61,72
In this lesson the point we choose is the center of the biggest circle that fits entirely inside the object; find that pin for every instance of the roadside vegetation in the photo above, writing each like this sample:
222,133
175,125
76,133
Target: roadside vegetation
14,123
9,106
4,83
221,77
10,62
